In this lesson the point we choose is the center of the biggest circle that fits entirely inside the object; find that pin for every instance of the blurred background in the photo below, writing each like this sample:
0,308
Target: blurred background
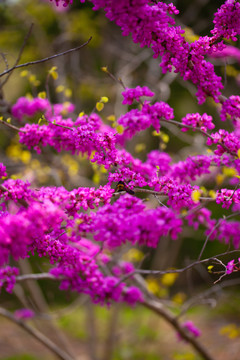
119,333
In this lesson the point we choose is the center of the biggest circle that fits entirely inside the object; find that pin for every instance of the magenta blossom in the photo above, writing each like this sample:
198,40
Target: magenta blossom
24,314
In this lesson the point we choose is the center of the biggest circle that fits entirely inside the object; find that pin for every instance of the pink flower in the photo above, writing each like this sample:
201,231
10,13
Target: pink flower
131,94
230,267
24,314
191,328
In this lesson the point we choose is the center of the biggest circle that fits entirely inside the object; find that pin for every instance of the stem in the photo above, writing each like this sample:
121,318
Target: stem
11,126
19,55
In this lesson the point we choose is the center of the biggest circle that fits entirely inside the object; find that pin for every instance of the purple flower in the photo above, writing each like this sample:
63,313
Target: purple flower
3,172
133,295
189,325
227,20
231,107
131,94
24,314
203,122
230,267
8,277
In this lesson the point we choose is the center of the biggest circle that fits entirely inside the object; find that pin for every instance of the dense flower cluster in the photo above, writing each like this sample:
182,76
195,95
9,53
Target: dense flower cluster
137,120
2,171
191,168
226,142
179,195
231,108
227,197
19,231
79,137
131,94
227,20
203,122
16,190
147,225
8,277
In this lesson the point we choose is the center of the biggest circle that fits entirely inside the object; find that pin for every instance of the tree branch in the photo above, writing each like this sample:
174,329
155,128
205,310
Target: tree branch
11,126
45,59
19,55
37,335
158,308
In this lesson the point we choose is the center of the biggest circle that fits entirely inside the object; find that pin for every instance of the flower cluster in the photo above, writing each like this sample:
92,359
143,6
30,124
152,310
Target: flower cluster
227,20
226,142
62,135
228,232
29,107
203,122
20,231
227,197
8,277
231,108
147,225
16,190
179,195
192,328
3,172
137,120
191,168
232,266
131,94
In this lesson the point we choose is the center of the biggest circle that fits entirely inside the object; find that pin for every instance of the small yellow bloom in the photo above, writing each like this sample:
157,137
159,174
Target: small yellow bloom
104,99
99,106
60,88
24,73
169,279
210,267
42,95
53,72
195,195
104,69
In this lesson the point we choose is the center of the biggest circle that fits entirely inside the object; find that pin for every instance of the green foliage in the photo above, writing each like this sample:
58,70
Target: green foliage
185,356
74,323
21,357
129,353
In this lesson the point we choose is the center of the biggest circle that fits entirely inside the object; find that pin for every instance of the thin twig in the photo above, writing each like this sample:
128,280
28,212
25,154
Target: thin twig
45,59
197,298
177,123
19,55
174,271
4,59
11,126
213,229
36,277
36,334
